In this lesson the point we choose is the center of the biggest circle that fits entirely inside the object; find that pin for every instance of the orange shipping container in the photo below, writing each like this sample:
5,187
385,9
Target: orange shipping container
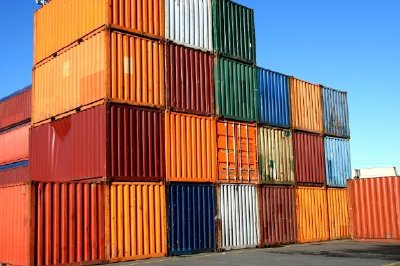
237,152
306,106
338,213
60,23
311,215
106,65
190,147
14,145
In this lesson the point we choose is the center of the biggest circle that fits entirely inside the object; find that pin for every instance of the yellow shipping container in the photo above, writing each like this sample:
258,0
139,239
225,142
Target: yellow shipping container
339,222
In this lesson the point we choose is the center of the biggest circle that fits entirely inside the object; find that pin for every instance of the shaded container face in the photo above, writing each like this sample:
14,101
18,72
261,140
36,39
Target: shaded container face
306,106
239,214
234,30
191,147
69,223
274,97
136,227
191,212
14,145
16,225
275,155
189,80
337,161
374,205
336,113
311,215
235,90
237,152
115,66
309,164
278,223
16,109
189,23
15,173
67,22
338,213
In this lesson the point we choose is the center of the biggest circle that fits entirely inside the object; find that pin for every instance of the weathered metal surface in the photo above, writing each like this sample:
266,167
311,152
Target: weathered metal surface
336,113
14,173
337,161
14,145
338,207
16,108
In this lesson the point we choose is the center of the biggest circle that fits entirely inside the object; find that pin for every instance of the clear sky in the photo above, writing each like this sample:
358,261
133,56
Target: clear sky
349,45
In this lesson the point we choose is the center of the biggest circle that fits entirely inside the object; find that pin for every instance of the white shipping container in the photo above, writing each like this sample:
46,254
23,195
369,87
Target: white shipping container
375,172
189,22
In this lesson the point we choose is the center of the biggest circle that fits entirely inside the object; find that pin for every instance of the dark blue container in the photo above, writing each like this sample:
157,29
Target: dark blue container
274,98
336,113
191,218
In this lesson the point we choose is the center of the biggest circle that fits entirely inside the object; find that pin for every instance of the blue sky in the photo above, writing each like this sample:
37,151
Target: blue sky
349,45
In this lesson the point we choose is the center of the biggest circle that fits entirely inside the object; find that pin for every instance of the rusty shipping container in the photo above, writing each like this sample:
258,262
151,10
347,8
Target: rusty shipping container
275,155
278,212
306,106
14,173
189,80
338,207
374,205
105,65
113,141
60,23
135,221
14,145
190,142
15,109
311,215
309,163
237,152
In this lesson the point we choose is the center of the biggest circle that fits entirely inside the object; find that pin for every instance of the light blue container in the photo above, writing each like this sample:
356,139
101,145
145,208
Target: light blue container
337,161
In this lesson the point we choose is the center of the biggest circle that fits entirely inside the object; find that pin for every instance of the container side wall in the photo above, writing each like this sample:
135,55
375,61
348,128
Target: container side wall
16,109
337,161
338,213
336,113
14,145
14,175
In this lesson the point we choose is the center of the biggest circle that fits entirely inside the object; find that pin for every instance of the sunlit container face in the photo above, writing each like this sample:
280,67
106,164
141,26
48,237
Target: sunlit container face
337,161
14,145
115,66
336,113
60,23
338,207
16,109
237,152
14,173
189,23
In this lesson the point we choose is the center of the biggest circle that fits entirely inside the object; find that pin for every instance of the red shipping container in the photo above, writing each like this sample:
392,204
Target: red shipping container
15,175
115,141
16,108
190,80
14,145
278,225
309,160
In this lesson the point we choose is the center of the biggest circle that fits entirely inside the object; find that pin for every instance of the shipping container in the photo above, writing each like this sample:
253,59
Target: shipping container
309,162
237,152
311,215
374,205
336,113
191,218
14,145
15,109
16,225
60,23
337,161
275,155
105,65
190,142
116,141
239,215
338,207
235,90
14,173
189,80
189,23
136,225
278,223
234,30
306,106
274,98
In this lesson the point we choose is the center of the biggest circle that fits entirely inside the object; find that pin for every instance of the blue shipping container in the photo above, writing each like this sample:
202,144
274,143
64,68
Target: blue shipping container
274,105
191,218
14,165
337,161
336,113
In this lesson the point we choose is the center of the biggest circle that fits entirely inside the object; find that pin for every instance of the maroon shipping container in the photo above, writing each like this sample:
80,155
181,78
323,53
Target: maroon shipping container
190,80
113,141
14,175
309,158
278,225
16,108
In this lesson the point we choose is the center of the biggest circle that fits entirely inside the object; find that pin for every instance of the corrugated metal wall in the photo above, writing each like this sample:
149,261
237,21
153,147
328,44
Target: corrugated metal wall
336,112
16,109
14,173
14,145
338,213
337,161
191,217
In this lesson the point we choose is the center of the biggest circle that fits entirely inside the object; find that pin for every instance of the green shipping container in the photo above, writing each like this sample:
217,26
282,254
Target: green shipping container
234,31
235,90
